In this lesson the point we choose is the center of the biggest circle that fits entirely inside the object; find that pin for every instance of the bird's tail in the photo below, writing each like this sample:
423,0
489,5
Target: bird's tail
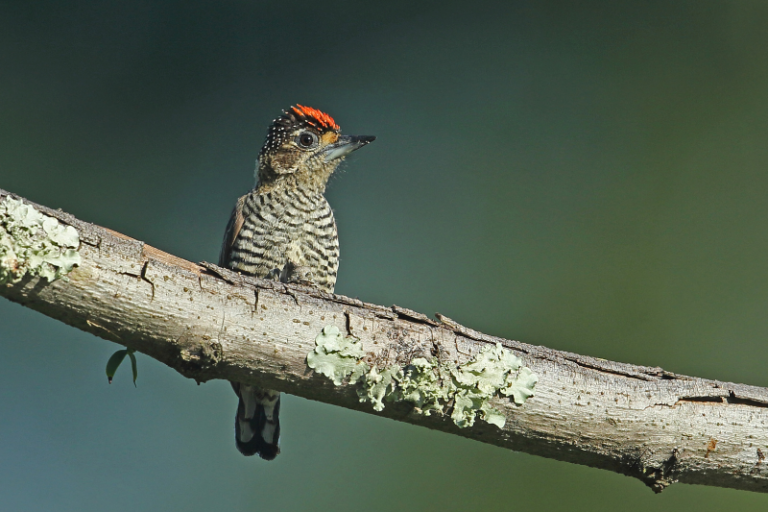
257,423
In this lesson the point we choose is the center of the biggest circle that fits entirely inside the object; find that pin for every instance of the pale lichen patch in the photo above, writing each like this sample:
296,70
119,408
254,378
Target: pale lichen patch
377,385
431,386
423,384
34,243
335,356
463,391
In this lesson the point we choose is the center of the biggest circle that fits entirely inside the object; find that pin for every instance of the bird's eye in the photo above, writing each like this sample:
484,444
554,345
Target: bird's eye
307,139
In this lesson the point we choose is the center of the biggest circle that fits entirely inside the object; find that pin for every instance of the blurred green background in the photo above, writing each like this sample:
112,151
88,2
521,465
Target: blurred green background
590,176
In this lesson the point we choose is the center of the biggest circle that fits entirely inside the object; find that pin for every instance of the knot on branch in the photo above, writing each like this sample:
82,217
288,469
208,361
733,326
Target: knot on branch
199,356
658,475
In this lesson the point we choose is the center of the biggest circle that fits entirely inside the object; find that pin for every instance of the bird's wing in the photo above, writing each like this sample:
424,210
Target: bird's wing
234,226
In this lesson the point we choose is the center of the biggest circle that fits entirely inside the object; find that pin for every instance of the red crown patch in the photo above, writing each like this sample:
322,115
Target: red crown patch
315,117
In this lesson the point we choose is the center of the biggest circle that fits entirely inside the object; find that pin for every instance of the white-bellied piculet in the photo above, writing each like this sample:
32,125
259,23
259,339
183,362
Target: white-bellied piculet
284,229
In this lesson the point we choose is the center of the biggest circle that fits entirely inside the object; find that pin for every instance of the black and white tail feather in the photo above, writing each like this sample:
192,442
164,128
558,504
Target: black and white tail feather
257,423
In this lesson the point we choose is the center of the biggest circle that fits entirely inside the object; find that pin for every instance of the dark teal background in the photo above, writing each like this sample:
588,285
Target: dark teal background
590,176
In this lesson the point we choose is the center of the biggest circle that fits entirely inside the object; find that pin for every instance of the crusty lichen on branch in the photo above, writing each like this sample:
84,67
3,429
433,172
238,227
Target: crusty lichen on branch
34,243
431,386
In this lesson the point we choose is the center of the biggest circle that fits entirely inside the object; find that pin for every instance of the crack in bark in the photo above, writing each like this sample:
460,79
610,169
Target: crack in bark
144,277
608,370
413,315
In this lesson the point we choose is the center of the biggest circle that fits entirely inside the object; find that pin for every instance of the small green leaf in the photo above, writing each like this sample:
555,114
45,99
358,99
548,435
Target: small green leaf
114,363
133,366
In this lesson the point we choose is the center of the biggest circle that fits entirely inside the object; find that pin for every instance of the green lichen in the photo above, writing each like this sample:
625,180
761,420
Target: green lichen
423,383
376,386
464,391
494,370
335,356
35,244
489,370
432,387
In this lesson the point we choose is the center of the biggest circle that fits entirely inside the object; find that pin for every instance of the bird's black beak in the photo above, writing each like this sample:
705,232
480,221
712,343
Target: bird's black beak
345,145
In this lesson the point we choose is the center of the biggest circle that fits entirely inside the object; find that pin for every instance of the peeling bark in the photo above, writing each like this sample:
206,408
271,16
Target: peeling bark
210,323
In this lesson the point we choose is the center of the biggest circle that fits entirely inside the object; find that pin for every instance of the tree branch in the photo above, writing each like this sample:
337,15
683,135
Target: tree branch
210,323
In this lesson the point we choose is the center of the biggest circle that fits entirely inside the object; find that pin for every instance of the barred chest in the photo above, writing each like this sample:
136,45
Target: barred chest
289,228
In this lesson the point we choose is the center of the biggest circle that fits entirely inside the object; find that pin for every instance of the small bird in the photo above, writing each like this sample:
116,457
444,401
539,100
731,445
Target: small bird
284,230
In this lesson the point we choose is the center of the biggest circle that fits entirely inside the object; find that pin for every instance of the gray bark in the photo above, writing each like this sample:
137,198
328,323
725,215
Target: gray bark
210,323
